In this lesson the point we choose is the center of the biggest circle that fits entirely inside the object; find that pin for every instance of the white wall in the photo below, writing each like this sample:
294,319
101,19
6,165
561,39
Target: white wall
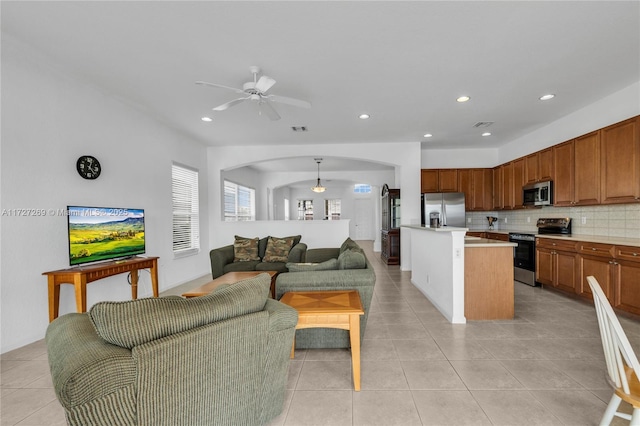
49,119
315,233
404,156
609,110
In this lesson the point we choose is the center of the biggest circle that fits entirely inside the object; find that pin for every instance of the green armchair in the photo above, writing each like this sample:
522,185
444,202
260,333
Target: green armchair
220,359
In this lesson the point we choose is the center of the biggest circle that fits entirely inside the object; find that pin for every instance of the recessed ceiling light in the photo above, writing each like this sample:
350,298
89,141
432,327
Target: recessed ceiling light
363,116
427,135
463,99
486,134
207,119
547,97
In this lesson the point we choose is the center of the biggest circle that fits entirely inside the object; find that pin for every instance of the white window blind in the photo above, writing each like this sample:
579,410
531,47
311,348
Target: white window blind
186,221
239,202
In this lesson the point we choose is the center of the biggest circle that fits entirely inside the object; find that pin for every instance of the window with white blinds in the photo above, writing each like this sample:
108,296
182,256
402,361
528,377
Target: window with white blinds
186,221
239,202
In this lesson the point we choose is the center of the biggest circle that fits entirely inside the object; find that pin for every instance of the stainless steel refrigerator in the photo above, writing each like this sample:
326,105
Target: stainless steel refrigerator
446,207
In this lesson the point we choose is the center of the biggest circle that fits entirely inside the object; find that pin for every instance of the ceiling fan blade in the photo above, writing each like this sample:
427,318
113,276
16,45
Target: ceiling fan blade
269,110
230,104
219,86
290,101
265,83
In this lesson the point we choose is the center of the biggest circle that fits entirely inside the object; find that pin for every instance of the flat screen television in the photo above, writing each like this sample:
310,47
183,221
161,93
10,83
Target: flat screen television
104,233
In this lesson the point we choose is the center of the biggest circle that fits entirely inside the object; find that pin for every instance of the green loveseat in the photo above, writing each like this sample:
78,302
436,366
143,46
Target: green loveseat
361,279
222,259
220,359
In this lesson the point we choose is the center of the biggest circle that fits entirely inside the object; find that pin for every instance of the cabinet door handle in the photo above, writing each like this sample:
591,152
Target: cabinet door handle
611,262
635,254
593,248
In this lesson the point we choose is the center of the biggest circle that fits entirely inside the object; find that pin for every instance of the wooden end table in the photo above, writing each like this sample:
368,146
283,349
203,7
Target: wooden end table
330,309
230,278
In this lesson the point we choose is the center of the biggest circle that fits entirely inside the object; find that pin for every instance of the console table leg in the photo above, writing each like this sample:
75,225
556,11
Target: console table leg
54,298
80,286
154,278
134,284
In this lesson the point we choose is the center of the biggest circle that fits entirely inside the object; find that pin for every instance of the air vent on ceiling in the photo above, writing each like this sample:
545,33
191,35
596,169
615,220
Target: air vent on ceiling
299,128
481,124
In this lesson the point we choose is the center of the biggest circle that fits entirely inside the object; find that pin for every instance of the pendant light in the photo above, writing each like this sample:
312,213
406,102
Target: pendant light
318,187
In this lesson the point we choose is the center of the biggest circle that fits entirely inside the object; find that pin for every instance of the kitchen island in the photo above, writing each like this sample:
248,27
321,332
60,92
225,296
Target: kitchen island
464,278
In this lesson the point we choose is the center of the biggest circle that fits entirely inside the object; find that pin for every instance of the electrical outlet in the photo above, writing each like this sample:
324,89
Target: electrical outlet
584,220
469,220
457,253
528,219
506,219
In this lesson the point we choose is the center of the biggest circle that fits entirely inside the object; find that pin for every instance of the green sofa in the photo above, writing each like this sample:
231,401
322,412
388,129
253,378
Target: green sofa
220,359
362,279
222,259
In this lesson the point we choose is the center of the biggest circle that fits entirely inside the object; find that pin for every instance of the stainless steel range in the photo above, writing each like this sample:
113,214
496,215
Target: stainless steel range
524,255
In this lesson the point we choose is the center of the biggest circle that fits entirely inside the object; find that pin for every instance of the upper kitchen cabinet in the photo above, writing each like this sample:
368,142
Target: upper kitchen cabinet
507,186
518,181
498,189
563,184
429,181
620,162
539,166
587,169
477,185
439,180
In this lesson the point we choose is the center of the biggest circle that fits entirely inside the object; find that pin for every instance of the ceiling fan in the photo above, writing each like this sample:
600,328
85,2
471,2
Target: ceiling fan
256,91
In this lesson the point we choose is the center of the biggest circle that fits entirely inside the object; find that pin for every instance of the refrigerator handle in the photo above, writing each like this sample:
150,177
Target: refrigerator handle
444,213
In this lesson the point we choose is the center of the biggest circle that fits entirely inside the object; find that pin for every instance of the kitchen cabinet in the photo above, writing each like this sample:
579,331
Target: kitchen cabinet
429,181
556,263
498,192
518,182
439,180
620,162
390,234
595,259
587,169
539,166
507,186
497,236
563,164
626,279
477,185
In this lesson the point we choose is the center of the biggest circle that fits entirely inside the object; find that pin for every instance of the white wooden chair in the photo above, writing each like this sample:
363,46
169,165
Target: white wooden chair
622,364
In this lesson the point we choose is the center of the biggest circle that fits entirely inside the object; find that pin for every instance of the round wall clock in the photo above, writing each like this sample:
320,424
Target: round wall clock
88,167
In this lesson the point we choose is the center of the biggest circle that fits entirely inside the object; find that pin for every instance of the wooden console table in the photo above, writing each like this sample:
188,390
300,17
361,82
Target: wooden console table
80,276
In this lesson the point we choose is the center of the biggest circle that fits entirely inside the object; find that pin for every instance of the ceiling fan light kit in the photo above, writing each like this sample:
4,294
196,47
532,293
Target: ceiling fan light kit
318,188
256,91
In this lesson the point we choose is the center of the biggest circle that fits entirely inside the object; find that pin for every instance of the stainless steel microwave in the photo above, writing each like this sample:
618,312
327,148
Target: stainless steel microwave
538,194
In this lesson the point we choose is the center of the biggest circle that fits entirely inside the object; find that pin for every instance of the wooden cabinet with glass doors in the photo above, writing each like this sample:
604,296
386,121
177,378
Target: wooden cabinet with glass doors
390,236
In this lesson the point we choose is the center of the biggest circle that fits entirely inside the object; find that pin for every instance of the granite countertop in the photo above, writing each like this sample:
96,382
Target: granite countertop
633,242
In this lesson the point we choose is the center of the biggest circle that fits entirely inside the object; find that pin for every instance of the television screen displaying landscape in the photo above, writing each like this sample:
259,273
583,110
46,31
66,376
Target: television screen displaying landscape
100,233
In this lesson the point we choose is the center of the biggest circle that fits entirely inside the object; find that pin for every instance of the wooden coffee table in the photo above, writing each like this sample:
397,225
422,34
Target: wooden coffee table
231,278
330,309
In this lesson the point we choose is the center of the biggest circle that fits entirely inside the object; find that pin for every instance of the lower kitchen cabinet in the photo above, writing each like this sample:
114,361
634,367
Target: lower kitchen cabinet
627,279
556,262
565,265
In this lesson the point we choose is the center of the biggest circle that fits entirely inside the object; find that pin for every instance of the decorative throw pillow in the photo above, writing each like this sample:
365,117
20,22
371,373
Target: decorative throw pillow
277,249
245,249
328,265
352,259
348,244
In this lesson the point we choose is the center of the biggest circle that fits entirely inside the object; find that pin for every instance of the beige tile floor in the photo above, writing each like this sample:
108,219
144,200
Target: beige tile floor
545,367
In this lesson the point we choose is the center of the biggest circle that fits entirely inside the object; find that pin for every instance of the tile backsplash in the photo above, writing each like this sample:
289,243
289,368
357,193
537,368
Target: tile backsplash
612,221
